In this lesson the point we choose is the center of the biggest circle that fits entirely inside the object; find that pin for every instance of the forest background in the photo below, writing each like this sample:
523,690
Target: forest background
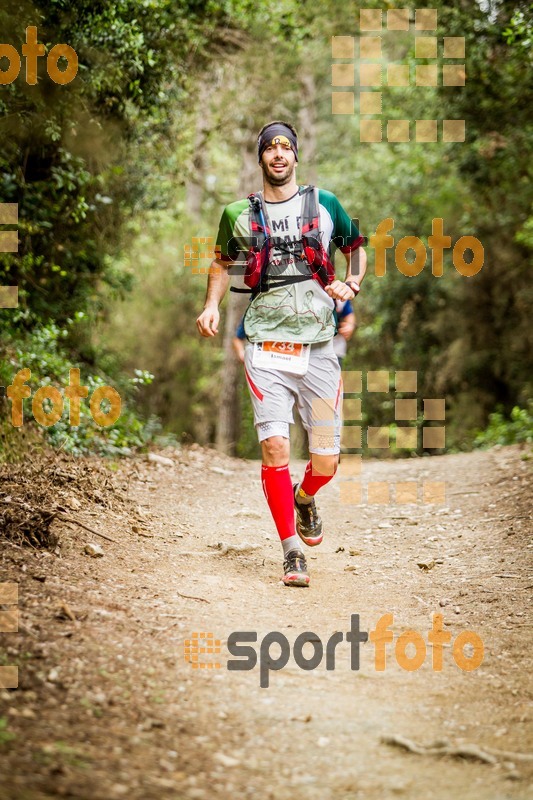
116,172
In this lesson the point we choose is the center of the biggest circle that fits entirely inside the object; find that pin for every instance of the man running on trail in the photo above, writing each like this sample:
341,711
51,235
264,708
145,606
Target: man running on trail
283,235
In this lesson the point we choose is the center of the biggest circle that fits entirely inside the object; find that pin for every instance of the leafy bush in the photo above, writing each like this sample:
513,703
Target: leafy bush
43,352
502,430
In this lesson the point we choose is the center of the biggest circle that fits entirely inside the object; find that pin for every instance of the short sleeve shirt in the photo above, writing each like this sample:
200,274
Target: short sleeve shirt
297,312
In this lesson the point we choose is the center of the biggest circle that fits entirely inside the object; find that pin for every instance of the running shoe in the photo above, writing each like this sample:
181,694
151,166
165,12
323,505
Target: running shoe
295,569
308,523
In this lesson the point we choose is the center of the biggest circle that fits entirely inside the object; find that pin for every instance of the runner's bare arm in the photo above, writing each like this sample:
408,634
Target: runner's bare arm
355,271
356,265
217,284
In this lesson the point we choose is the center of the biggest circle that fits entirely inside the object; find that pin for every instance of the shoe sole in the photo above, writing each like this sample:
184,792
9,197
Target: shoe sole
296,579
308,541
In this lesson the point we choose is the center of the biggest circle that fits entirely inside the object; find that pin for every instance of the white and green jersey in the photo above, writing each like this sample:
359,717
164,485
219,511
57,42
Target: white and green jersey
297,312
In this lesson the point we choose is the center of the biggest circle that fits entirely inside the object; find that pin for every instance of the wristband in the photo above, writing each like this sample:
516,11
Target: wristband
354,286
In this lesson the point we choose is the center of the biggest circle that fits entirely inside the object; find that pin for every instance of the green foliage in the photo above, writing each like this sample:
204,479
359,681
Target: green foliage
81,159
468,339
117,171
504,430
42,351
520,28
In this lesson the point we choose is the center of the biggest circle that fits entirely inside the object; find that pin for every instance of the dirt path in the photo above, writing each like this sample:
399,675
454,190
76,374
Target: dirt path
107,706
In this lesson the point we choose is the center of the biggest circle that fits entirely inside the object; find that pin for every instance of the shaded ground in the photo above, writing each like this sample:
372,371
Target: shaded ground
107,706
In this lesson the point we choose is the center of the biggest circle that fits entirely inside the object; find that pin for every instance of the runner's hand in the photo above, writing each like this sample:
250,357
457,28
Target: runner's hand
207,322
346,329
338,290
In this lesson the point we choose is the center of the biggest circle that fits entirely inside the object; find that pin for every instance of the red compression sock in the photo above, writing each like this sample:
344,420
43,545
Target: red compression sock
277,487
312,482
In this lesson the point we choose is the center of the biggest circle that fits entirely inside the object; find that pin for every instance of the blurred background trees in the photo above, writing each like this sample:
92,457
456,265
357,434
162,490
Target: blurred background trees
115,174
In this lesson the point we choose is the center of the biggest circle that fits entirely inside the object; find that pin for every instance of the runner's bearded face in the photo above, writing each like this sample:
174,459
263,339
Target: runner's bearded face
278,162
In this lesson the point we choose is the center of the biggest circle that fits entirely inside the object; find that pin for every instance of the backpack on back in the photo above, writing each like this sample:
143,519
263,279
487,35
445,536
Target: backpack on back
315,262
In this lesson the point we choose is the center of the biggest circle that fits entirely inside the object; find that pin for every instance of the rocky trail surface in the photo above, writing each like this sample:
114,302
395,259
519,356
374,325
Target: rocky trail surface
108,706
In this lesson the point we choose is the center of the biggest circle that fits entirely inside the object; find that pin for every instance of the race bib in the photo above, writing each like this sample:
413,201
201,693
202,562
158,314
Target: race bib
286,356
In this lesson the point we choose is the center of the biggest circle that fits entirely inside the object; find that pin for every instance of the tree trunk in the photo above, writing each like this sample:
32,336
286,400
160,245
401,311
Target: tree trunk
196,181
307,126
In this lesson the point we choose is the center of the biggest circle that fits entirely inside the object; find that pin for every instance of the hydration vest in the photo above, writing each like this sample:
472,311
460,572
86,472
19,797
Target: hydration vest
311,257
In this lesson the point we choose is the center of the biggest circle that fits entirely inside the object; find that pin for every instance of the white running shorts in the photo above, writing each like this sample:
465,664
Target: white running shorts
318,395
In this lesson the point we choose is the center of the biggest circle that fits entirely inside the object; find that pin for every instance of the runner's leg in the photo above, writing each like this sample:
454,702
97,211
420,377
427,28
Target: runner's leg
319,471
320,405
277,486
272,395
